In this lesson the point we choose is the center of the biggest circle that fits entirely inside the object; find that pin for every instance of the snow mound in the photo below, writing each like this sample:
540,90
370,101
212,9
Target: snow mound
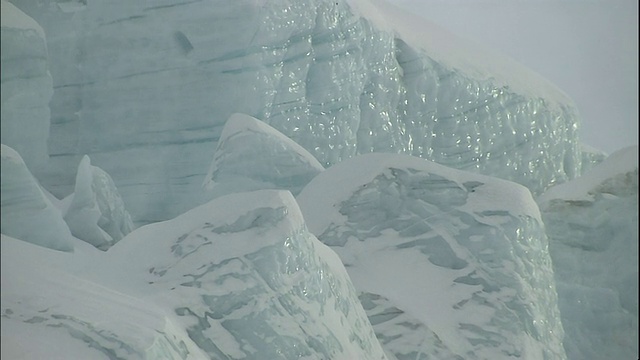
252,155
592,224
27,213
96,213
463,256
247,280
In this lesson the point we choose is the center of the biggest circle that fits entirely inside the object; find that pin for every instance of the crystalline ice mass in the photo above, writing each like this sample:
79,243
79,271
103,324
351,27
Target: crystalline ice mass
446,263
155,84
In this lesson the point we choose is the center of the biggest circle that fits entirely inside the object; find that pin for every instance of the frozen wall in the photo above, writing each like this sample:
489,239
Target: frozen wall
154,84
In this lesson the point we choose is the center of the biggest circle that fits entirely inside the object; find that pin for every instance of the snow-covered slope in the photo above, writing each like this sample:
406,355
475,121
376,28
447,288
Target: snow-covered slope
592,223
238,277
155,83
451,264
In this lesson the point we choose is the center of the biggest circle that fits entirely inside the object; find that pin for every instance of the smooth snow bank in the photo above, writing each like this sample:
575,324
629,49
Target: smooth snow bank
450,264
50,311
96,213
252,155
592,224
26,212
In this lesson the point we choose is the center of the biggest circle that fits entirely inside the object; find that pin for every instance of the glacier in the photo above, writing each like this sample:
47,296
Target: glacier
338,78
168,169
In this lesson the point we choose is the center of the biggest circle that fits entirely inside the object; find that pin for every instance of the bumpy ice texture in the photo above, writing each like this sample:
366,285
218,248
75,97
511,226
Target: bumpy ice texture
251,155
26,212
592,223
155,83
450,264
97,214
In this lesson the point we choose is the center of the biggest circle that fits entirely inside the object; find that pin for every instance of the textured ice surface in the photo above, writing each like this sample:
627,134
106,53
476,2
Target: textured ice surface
154,83
251,155
592,223
461,258
26,212
238,277
96,213
26,86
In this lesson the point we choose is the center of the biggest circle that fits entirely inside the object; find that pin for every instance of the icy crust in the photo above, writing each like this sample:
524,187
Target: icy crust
50,313
463,256
592,224
96,213
27,214
325,76
251,155
26,86
247,280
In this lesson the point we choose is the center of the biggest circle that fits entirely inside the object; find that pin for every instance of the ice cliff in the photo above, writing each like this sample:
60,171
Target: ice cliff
155,83
592,224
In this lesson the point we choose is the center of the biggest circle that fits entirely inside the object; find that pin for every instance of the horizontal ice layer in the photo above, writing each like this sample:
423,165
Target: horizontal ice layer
248,281
592,224
96,213
154,84
26,86
452,264
50,312
26,212
252,155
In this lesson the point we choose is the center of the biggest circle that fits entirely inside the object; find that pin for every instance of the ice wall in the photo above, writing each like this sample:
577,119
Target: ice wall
154,84
26,86
592,224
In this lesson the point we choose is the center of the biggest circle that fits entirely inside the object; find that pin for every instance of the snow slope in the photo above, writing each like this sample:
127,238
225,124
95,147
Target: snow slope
450,264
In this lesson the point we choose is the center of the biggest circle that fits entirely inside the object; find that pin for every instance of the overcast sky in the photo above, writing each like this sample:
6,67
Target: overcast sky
588,48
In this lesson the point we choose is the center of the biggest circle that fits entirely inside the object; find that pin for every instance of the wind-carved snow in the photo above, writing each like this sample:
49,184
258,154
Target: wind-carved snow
238,277
247,280
96,213
26,86
26,211
462,256
331,76
272,161
592,224
49,311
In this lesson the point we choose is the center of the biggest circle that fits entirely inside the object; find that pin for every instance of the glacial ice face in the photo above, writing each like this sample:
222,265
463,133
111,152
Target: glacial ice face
96,213
26,86
247,280
592,223
251,155
26,212
155,84
450,264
